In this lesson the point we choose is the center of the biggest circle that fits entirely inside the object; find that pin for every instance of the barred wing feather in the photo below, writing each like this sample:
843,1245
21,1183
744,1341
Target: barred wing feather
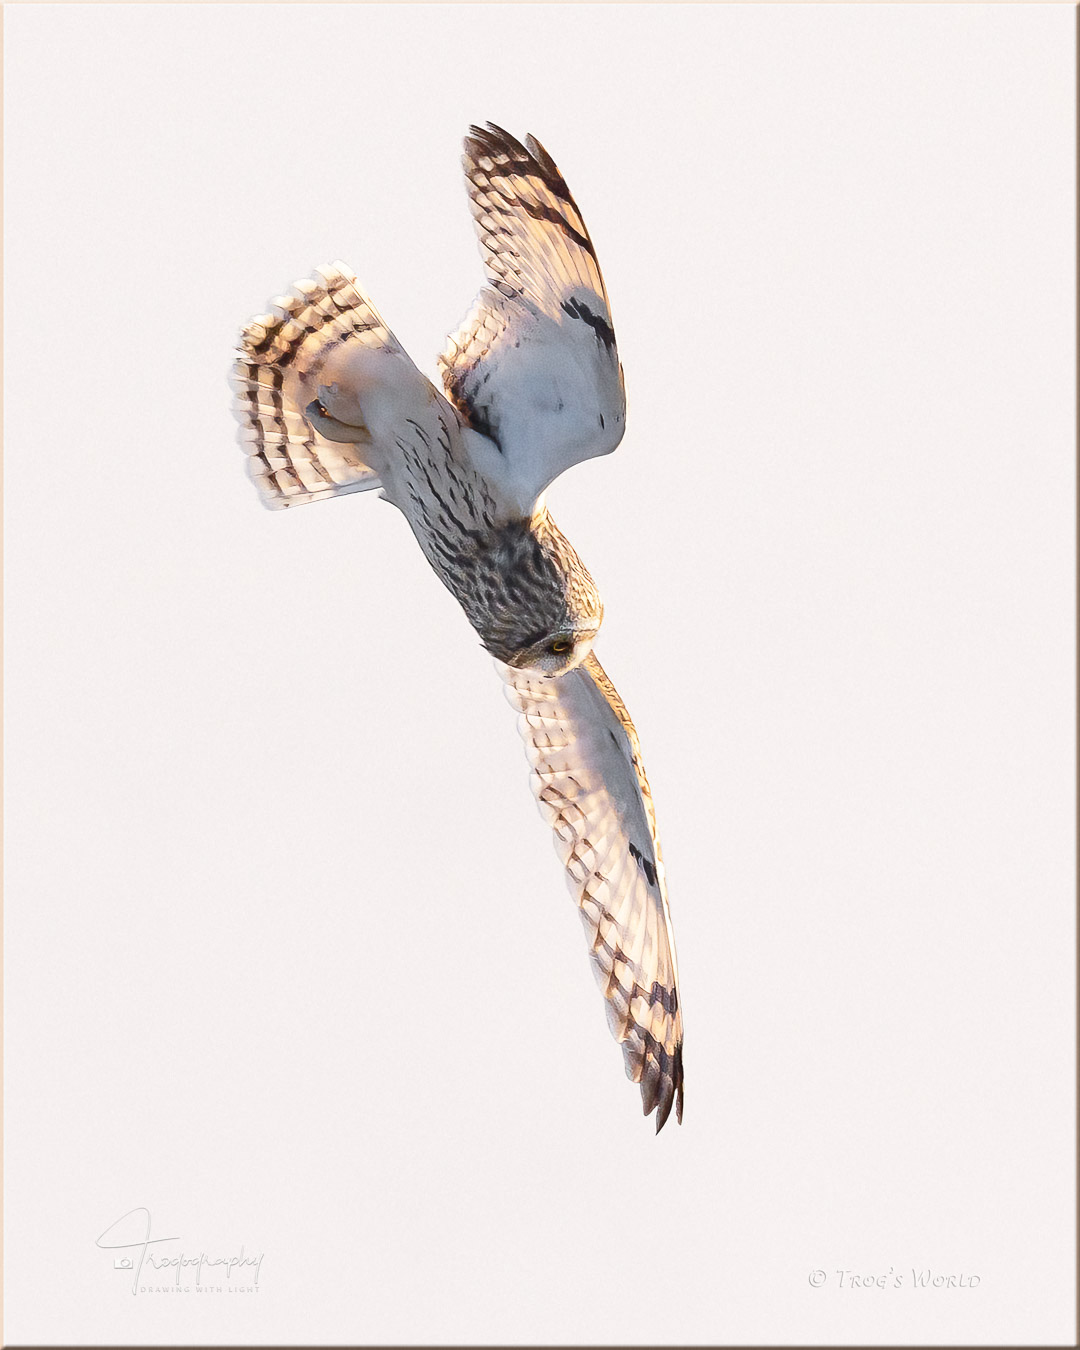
534,365
590,783
276,375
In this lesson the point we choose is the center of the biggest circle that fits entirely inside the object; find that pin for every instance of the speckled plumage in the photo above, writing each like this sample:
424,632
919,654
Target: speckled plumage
330,404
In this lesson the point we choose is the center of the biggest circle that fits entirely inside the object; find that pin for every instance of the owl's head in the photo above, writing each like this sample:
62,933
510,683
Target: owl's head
531,599
557,652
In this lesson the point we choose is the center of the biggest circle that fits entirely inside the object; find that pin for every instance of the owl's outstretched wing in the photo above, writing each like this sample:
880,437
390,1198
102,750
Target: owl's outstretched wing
276,375
534,366
591,786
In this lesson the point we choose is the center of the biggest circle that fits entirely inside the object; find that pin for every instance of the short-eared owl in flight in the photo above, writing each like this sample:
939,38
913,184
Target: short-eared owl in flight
329,403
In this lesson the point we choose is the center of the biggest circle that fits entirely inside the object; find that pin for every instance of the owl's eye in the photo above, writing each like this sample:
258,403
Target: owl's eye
559,646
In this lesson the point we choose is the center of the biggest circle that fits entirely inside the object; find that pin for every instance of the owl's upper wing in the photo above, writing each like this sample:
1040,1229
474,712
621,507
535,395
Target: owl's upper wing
534,365
275,376
591,786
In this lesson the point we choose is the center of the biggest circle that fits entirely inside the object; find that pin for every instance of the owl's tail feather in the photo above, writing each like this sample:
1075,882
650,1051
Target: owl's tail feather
277,375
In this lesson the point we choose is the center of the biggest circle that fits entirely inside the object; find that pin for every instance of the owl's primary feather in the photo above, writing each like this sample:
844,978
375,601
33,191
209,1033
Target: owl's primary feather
330,404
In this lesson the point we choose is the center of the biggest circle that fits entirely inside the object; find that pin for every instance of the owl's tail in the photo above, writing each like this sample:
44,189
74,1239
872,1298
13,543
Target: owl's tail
283,359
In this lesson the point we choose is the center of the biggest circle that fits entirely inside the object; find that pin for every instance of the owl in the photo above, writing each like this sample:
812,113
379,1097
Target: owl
330,404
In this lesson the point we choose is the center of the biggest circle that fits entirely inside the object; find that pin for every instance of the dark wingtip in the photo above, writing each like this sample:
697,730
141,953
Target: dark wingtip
671,1091
664,1108
652,1086
492,137
540,154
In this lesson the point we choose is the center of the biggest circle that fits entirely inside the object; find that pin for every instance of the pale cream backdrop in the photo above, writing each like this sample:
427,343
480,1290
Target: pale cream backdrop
290,961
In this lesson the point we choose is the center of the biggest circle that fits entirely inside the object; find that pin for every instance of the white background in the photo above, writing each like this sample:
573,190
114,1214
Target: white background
289,957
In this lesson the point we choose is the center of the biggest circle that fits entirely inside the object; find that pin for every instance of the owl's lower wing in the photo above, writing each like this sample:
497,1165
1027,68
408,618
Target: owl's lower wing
591,786
534,365
276,375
